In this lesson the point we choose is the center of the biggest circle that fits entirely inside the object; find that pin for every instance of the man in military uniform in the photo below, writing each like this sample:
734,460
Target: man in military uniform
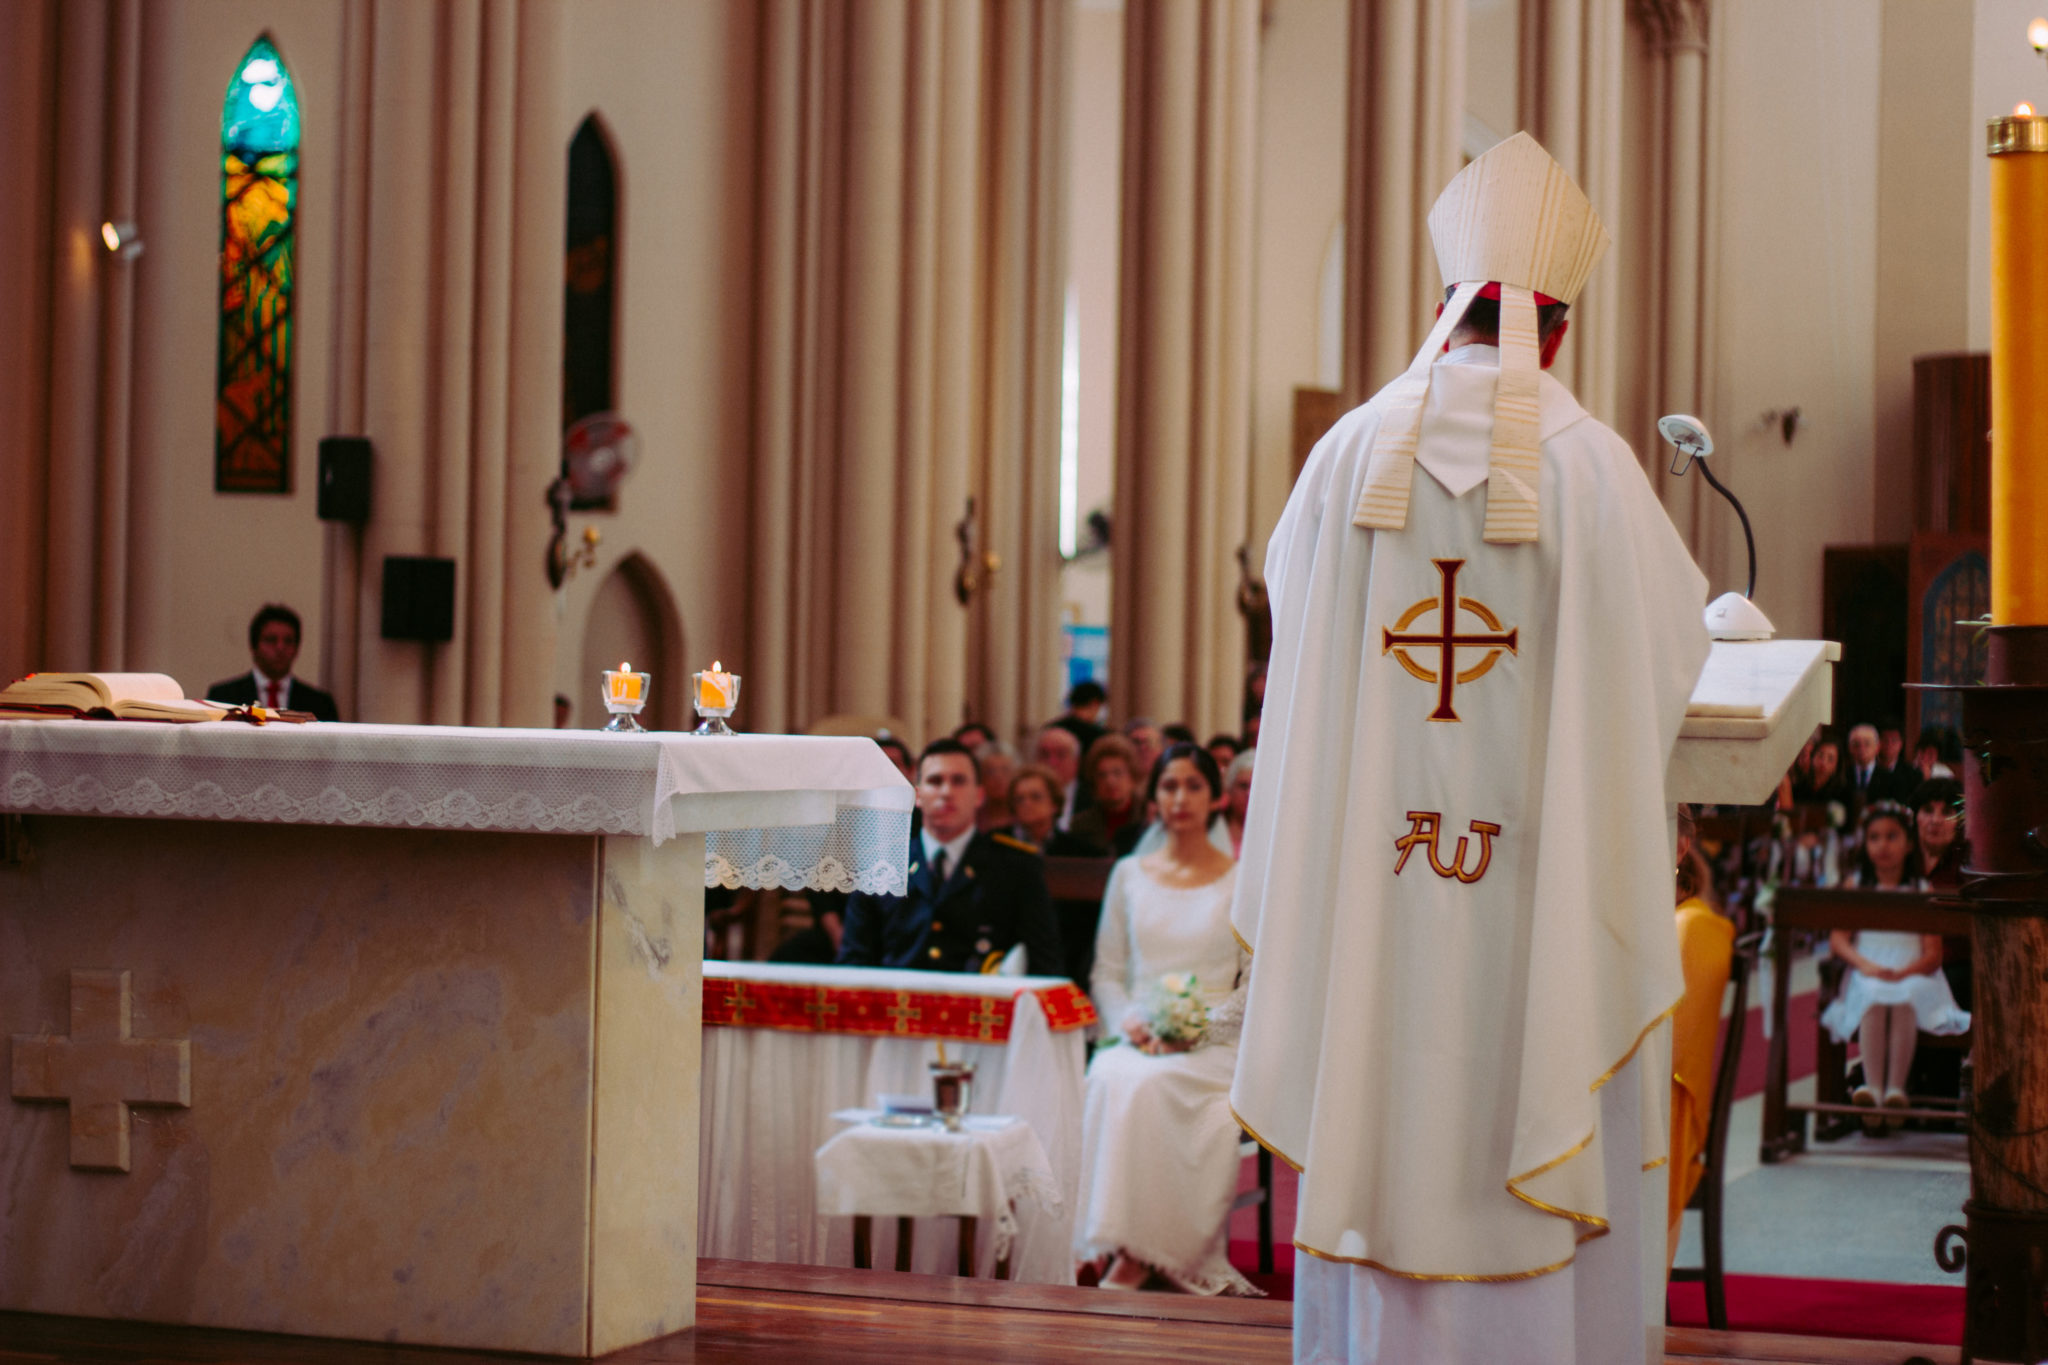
972,895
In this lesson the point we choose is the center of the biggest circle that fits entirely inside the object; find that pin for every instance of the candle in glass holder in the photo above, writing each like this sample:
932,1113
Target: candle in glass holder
625,693
714,688
718,692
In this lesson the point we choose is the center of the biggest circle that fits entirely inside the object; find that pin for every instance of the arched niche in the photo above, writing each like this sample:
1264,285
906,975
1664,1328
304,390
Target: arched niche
632,619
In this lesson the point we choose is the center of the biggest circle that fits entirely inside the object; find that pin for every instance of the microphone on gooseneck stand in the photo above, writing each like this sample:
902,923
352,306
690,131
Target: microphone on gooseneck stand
1732,615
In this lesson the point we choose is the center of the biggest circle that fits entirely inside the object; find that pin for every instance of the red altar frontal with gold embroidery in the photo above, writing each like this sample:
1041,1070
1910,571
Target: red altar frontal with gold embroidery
950,1006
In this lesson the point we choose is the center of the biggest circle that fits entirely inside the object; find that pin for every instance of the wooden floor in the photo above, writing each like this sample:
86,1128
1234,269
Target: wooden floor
753,1312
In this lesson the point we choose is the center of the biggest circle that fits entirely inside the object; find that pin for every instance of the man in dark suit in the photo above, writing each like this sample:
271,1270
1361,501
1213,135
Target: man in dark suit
972,895
273,646
1869,777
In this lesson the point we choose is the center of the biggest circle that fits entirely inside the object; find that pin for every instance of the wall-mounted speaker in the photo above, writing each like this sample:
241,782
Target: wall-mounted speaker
419,598
345,479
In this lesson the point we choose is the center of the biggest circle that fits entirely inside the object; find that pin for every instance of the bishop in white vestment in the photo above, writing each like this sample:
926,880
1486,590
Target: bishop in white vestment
1457,870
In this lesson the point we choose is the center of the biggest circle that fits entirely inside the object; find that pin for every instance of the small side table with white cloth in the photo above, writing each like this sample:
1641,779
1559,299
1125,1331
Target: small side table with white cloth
787,1046
982,1170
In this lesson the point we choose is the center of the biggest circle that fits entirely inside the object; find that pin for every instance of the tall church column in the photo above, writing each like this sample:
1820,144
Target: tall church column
510,524
1014,678
891,341
72,76
458,346
1403,127
1570,101
1678,29
1183,359
28,78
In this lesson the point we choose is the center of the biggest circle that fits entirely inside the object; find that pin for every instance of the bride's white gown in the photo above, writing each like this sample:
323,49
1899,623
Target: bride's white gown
1159,1158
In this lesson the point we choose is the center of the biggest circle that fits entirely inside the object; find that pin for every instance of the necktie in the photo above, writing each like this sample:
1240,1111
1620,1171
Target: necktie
939,868
274,701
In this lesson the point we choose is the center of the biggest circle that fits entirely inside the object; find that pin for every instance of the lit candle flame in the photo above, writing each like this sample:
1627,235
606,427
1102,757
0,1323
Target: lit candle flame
625,668
2037,34
717,667
2023,110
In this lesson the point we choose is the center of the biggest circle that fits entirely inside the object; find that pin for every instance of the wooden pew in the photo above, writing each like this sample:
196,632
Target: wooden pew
1822,910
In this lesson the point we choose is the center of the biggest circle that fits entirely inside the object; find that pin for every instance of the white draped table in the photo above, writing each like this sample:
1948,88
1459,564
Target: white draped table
382,1032
786,1046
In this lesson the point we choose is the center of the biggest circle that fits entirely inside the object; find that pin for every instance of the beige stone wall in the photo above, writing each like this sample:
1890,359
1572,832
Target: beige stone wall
1791,283
1924,241
1844,234
1300,203
672,85
205,561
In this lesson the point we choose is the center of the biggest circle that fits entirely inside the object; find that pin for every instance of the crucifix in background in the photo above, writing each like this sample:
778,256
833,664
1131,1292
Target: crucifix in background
976,566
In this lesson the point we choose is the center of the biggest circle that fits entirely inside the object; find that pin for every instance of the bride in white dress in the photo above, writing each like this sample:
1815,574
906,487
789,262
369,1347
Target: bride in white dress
1159,1161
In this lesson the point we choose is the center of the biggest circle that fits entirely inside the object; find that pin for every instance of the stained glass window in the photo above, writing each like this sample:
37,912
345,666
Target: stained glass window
589,279
259,180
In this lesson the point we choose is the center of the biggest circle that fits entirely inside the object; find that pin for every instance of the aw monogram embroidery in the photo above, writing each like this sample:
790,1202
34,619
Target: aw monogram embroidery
1423,829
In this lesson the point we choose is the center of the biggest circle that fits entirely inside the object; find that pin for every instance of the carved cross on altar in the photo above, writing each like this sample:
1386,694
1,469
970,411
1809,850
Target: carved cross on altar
100,1070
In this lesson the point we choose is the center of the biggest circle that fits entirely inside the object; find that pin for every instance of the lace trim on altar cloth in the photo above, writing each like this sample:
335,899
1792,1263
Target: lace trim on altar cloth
861,850
392,807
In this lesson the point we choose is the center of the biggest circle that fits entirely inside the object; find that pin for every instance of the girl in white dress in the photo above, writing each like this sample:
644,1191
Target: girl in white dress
1159,1160
1896,988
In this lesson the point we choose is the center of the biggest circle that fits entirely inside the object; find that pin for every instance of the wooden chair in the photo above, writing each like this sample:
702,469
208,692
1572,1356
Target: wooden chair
1820,910
1710,1196
1260,1196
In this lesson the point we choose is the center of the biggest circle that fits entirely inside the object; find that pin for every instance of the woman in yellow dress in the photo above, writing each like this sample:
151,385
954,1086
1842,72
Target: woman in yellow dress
1706,947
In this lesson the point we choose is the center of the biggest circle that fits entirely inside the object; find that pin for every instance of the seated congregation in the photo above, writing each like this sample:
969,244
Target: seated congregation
1154,819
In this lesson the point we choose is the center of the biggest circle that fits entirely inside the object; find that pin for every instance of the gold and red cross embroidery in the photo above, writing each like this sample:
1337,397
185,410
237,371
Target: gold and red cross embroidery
1424,826
1447,640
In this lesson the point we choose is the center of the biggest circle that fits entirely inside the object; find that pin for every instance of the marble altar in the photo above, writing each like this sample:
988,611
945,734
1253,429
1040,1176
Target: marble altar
425,1079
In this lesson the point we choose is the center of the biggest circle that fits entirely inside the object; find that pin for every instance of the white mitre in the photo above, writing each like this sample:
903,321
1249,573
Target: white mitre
1512,218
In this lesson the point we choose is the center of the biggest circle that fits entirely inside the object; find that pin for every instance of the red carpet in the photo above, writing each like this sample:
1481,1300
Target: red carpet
1928,1313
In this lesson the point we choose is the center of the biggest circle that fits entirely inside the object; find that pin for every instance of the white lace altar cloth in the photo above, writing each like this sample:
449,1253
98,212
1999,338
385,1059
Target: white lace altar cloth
769,1098
983,1171
797,811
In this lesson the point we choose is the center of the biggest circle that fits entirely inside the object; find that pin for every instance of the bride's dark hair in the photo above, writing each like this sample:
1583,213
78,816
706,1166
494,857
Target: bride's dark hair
1204,761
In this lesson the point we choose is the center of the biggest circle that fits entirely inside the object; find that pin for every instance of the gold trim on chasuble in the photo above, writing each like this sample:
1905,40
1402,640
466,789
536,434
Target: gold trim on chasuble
1597,1226
1240,941
1262,1142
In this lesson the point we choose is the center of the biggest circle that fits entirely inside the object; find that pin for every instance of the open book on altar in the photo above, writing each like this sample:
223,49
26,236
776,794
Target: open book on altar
104,696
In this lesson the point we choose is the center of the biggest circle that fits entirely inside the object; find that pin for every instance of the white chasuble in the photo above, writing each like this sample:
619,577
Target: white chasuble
1457,870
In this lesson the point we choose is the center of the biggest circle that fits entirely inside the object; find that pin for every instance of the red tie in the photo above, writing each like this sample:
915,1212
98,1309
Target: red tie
275,702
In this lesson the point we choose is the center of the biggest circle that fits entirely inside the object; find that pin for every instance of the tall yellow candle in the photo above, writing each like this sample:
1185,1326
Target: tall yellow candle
2019,370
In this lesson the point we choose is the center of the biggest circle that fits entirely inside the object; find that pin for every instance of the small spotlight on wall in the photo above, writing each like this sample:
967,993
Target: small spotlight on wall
123,239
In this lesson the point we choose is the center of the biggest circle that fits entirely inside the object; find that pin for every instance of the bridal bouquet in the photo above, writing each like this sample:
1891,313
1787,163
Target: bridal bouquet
1173,1009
